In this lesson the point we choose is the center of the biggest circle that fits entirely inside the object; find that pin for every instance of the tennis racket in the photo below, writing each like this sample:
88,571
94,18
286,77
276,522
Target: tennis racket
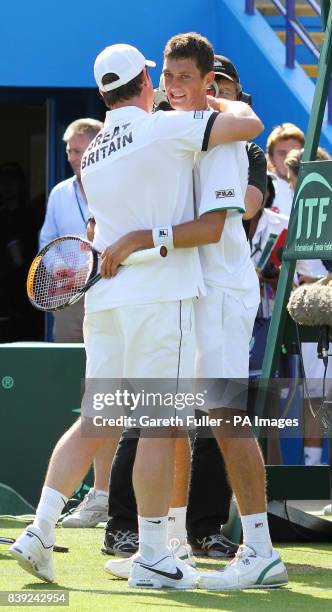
62,549
67,267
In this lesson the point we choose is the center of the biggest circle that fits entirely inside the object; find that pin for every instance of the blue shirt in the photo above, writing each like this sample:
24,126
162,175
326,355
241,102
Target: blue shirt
67,212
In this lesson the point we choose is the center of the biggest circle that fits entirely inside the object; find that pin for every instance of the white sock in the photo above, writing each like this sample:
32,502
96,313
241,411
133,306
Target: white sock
50,507
152,532
177,524
100,492
312,455
256,533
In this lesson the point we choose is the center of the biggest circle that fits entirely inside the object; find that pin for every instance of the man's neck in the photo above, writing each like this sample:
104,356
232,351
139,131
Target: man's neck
137,101
202,104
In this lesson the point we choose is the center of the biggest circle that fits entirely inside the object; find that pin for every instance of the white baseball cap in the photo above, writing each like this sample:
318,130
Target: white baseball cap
123,60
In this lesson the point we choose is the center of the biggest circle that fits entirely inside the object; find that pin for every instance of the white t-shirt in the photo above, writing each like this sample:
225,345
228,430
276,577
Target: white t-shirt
282,202
221,179
137,174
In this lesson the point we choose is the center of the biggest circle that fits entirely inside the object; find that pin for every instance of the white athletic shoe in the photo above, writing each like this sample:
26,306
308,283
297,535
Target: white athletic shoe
183,551
167,572
32,555
121,567
92,510
247,571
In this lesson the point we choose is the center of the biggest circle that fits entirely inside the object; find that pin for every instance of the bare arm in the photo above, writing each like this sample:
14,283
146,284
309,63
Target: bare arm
205,230
253,201
237,121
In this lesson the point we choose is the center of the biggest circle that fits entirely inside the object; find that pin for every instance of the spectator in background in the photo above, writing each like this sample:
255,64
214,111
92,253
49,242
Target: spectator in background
227,85
293,160
282,139
67,213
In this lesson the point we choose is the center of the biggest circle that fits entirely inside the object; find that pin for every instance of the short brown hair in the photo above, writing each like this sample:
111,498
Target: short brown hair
130,90
285,131
191,46
294,157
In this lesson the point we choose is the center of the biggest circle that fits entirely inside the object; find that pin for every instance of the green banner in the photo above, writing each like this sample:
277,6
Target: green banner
310,228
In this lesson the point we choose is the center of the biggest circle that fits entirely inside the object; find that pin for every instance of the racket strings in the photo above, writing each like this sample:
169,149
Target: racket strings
60,274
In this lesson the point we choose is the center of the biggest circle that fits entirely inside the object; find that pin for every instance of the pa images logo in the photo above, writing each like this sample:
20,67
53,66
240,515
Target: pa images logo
225,193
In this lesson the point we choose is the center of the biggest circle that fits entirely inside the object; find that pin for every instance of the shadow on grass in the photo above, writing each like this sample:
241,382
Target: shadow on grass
230,601
12,523
6,557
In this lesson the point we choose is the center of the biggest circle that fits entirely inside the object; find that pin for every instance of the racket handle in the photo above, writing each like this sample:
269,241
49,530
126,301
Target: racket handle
145,255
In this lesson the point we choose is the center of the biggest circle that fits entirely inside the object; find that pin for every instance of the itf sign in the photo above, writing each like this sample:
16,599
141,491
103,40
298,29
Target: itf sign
310,227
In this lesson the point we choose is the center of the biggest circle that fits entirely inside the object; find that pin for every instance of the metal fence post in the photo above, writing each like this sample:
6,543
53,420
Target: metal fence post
290,36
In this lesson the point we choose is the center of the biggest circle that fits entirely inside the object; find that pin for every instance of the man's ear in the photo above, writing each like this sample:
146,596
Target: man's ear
146,78
210,78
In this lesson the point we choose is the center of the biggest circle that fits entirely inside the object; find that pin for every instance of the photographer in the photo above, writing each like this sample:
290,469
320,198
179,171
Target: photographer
310,272
227,85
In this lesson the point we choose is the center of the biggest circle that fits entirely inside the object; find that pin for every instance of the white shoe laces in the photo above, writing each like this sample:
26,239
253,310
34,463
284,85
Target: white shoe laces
174,544
241,552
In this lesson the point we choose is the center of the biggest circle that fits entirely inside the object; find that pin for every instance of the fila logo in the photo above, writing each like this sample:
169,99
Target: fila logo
257,525
163,233
198,114
225,193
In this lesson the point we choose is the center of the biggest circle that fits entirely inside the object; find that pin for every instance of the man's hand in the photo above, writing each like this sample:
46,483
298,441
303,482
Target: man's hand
307,280
214,103
114,255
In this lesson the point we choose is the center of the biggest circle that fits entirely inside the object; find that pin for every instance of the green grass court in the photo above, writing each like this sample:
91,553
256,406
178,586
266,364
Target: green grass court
81,573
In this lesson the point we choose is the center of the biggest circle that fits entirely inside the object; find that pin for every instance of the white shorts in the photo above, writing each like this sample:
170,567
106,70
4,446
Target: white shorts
141,341
224,328
135,353
223,332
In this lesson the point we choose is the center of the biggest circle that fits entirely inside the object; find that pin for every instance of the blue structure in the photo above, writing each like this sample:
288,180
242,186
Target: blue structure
54,44
50,49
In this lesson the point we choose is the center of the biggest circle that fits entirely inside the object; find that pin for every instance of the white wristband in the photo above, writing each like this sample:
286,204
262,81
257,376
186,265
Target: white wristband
163,236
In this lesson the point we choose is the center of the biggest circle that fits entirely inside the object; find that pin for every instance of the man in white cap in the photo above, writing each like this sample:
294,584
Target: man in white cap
136,172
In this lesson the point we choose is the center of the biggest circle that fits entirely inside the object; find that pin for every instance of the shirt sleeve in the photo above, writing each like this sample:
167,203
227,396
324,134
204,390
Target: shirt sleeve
186,131
49,229
257,167
221,187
